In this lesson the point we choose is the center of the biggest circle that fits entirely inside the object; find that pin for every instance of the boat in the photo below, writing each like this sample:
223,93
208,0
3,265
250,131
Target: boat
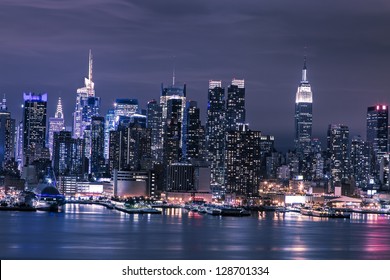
136,210
270,207
213,211
339,214
307,211
293,209
202,209
150,211
234,211
320,212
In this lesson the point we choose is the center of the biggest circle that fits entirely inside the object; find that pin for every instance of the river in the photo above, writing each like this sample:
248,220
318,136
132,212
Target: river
94,232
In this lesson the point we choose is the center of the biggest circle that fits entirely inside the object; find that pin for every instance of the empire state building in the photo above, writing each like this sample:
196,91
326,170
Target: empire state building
303,115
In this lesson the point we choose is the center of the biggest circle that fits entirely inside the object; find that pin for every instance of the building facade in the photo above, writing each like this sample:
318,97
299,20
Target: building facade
7,135
215,131
242,159
303,115
235,105
34,125
56,124
338,152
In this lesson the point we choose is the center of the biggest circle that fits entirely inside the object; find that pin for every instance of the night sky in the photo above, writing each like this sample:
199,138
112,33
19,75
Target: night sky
44,48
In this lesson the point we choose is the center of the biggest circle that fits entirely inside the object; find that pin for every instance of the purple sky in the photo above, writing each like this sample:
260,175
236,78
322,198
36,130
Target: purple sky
44,48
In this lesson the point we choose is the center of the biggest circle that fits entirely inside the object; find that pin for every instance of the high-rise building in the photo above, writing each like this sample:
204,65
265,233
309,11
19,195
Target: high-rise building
97,161
19,145
130,147
361,161
154,123
56,124
215,131
181,177
266,151
68,155
303,115
87,105
235,104
34,125
338,151
377,129
108,126
191,132
7,134
173,131
242,159
172,96
125,108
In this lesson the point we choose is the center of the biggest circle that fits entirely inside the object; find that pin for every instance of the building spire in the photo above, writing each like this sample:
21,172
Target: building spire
174,72
89,85
90,68
59,114
304,70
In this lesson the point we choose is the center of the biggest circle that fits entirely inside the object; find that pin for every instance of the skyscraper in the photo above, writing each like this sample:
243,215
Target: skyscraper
7,134
87,105
130,147
242,159
338,150
377,129
108,126
235,104
215,131
34,124
56,124
97,161
191,132
68,154
303,115
154,123
125,107
361,161
172,102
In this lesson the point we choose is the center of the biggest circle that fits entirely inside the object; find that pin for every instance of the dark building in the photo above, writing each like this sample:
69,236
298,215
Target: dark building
180,177
215,131
7,135
34,124
191,132
377,129
130,148
338,152
243,164
361,157
235,104
97,146
68,155
154,123
266,151
173,131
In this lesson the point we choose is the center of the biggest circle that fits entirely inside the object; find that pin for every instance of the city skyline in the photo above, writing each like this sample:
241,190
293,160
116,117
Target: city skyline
136,47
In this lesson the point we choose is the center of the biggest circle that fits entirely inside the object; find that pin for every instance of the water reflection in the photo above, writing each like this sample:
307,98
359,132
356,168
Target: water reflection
94,232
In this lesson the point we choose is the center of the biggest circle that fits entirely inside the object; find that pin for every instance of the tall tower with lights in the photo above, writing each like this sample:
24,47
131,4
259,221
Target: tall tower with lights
215,131
303,114
56,124
87,104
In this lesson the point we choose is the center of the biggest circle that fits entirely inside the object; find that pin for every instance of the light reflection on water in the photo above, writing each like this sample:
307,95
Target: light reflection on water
94,232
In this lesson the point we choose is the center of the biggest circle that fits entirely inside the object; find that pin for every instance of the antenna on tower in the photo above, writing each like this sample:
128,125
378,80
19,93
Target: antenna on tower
174,70
90,68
